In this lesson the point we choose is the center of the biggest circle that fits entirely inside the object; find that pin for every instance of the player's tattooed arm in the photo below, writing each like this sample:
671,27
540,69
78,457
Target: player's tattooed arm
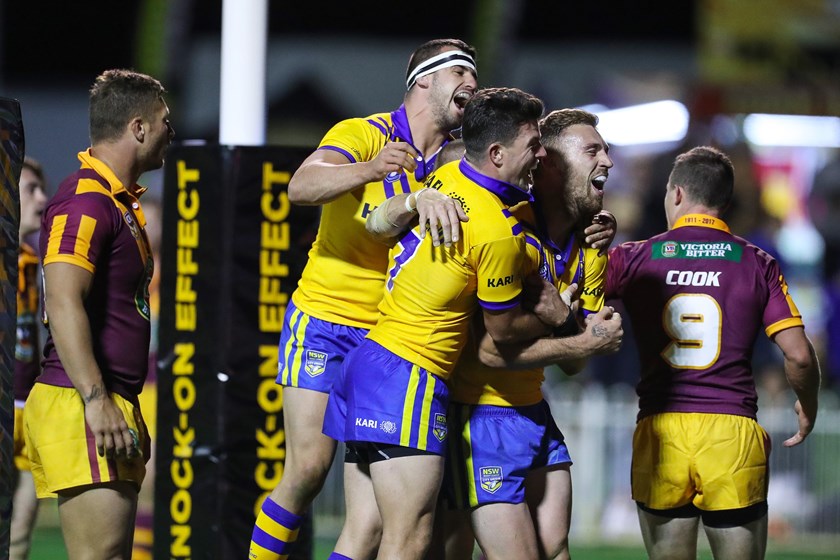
599,331
96,392
603,335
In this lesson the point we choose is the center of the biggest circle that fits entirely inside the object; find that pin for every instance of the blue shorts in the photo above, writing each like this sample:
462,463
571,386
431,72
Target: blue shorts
312,351
494,449
383,398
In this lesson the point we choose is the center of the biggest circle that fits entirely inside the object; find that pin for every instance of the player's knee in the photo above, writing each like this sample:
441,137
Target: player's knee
306,478
367,528
408,545
361,536
558,549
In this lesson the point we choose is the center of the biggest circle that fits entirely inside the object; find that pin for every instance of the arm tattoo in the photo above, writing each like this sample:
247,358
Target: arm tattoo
96,392
599,331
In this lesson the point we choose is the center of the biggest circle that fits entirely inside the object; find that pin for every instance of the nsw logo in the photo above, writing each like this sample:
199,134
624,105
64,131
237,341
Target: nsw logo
490,478
440,426
316,362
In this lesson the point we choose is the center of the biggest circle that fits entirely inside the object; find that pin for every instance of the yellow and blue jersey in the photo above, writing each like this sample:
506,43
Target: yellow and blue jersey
342,282
475,383
431,292
570,264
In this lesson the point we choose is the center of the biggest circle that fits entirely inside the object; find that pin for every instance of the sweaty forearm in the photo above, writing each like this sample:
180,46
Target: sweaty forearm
804,378
802,368
318,183
391,218
70,330
603,335
516,327
541,352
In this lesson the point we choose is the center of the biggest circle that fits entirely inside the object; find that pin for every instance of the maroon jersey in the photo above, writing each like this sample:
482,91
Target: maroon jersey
27,350
697,296
95,223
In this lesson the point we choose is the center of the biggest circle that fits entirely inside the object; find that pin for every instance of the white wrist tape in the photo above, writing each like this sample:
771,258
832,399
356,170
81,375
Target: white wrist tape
408,207
378,222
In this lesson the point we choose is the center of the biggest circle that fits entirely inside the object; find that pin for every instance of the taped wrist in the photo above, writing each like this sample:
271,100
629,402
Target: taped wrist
378,222
569,327
408,206
416,195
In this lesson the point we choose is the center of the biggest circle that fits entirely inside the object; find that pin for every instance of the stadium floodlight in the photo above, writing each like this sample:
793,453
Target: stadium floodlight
792,130
648,123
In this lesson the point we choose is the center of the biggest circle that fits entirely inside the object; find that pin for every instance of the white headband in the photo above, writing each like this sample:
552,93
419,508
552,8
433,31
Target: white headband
445,59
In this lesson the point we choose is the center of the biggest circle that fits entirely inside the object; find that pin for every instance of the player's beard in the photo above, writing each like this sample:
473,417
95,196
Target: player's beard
441,105
588,204
590,207
157,154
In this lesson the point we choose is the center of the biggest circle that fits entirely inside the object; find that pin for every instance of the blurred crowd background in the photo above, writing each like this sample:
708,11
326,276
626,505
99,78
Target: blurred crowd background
664,78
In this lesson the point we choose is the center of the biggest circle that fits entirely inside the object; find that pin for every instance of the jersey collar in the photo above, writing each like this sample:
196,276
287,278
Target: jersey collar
402,131
701,220
88,160
508,193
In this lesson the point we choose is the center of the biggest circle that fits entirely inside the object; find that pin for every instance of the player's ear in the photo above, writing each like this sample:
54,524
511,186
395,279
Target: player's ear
495,153
424,81
678,195
138,128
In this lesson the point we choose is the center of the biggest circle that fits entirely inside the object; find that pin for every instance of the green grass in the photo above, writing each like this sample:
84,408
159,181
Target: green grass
47,545
630,553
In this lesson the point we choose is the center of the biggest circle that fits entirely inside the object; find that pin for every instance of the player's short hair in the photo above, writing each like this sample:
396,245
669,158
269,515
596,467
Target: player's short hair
430,48
706,174
495,115
116,97
554,123
35,167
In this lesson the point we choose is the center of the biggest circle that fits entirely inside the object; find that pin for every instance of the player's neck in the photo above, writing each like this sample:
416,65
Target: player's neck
123,165
559,216
559,229
697,209
425,131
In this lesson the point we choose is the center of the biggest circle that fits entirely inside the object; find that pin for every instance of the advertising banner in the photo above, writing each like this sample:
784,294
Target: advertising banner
233,249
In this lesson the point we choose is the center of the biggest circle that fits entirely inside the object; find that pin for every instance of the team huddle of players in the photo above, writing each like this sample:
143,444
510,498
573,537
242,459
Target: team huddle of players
418,332
446,274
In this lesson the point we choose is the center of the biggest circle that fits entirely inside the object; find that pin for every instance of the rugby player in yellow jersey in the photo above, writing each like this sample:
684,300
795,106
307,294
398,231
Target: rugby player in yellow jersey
359,164
509,468
390,402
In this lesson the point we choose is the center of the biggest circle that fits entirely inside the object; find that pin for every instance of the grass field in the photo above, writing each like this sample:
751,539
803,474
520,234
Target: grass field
47,545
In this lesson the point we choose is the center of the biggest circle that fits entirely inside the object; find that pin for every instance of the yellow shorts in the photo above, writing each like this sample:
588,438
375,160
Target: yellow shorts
148,404
714,461
62,451
21,456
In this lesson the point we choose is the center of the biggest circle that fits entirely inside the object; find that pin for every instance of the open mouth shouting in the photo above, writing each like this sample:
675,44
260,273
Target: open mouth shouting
462,97
526,183
598,183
